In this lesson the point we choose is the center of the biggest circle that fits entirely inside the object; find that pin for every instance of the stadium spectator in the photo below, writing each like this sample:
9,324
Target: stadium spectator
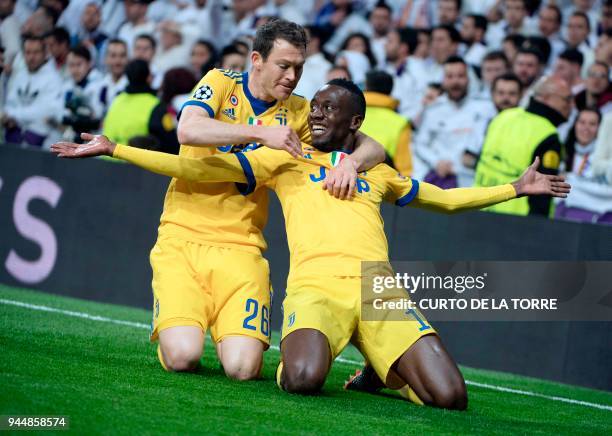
445,41
549,25
338,72
528,66
384,124
130,113
591,196
423,47
358,42
174,91
506,91
115,81
89,33
511,46
602,159
520,135
144,48
9,30
380,22
448,12
33,98
357,63
172,52
515,21
316,66
605,23
83,109
568,67
198,21
203,57
494,64
58,46
472,32
136,23
603,50
584,7
233,59
339,19
432,92
598,89
418,14
40,23
452,124
578,29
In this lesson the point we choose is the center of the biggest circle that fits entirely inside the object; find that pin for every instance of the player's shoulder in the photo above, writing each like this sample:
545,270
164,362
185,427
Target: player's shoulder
296,102
222,77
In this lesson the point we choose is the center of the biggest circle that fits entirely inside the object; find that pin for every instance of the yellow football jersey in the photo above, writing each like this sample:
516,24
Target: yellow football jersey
326,236
216,213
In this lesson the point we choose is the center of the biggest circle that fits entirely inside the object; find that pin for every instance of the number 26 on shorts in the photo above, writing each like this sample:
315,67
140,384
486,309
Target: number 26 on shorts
257,318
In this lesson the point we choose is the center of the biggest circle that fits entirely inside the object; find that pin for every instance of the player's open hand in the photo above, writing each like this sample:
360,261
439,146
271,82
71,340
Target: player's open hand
534,183
96,145
340,181
282,138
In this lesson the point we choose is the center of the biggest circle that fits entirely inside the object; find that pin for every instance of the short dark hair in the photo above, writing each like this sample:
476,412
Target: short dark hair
382,4
117,41
496,55
137,71
508,77
480,21
515,38
60,34
453,33
532,51
541,44
357,97
275,29
584,17
459,4
379,81
29,37
454,60
340,67
82,52
408,36
148,38
230,50
573,56
557,11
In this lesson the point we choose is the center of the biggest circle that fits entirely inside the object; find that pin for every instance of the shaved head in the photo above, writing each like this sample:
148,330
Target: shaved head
556,93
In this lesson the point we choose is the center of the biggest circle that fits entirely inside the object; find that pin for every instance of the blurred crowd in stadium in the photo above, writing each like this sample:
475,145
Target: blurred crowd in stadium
436,74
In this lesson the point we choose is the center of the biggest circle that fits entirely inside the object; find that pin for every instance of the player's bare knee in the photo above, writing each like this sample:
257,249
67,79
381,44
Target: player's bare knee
181,357
303,377
451,395
242,368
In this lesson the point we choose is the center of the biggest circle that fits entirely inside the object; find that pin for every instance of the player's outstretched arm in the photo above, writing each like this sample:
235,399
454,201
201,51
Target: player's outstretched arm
196,128
340,181
222,168
456,200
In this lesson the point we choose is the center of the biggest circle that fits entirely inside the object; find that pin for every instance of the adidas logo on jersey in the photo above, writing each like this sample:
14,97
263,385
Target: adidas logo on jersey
230,113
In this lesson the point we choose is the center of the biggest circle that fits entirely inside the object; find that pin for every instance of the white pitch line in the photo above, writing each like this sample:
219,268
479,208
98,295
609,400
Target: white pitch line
140,325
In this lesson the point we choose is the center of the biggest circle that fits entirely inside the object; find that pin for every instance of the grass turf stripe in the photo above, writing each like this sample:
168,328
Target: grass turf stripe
90,317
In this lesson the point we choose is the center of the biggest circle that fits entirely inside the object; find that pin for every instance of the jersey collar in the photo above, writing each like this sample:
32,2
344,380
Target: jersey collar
259,106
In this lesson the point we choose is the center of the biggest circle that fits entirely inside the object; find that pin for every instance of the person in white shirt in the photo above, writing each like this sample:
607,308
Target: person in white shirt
493,65
316,66
33,98
451,125
568,67
115,81
172,52
473,31
83,109
137,22
380,22
549,25
578,30
515,21
9,30
198,21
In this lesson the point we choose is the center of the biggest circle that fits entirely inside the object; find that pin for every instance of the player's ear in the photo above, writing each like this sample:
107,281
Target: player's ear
356,121
256,59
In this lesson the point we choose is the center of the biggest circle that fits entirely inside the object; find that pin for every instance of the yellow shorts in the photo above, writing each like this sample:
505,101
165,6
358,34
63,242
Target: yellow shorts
332,305
223,289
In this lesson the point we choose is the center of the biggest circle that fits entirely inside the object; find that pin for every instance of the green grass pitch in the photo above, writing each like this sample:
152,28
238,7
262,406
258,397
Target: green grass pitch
106,378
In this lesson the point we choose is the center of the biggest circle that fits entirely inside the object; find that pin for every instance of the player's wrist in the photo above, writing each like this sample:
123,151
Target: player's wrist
518,188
